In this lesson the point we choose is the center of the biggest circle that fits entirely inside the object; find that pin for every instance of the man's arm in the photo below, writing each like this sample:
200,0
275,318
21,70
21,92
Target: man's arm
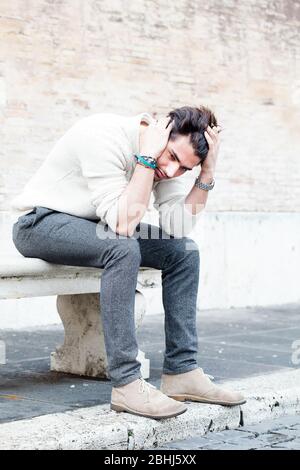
134,200
179,210
197,198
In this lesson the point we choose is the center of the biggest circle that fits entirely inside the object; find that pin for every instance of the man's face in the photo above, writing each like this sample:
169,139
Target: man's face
177,158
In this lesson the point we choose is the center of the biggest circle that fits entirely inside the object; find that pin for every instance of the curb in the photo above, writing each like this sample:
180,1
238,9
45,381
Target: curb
269,396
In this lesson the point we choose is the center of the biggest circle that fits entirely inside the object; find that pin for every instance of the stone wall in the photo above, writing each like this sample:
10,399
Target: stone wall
61,60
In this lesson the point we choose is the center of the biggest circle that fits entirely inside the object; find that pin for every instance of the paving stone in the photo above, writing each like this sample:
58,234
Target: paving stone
264,427
228,446
228,435
267,435
291,445
195,443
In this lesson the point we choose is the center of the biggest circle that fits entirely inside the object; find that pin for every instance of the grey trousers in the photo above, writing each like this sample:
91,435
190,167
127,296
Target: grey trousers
61,238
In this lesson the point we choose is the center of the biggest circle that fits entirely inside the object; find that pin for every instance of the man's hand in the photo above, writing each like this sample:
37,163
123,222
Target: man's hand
155,138
213,139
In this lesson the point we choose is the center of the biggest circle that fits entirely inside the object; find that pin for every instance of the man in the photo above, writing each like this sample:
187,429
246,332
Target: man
84,207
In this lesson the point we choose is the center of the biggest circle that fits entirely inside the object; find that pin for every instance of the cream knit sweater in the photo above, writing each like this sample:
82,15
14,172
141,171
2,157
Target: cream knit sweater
89,168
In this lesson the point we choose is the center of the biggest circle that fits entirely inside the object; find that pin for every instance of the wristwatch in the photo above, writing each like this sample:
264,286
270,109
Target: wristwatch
205,186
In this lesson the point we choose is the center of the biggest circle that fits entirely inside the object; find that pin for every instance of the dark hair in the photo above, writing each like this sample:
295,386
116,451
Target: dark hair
193,122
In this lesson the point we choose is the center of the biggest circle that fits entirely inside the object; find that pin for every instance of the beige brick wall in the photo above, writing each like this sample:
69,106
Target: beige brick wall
63,59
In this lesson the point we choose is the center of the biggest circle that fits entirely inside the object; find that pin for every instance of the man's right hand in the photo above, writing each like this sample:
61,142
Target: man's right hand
155,137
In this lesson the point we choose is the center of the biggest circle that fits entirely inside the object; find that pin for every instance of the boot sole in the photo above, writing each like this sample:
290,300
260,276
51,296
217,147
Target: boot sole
205,400
120,409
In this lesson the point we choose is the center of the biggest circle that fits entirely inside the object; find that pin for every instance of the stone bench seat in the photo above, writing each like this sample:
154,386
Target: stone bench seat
78,304
31,277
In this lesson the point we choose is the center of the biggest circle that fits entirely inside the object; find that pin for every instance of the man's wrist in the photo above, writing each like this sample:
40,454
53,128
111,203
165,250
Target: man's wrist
206,176
146,161
149,153
205,181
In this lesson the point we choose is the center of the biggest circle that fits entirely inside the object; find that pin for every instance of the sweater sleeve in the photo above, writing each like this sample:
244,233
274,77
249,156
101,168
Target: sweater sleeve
103,166
174,218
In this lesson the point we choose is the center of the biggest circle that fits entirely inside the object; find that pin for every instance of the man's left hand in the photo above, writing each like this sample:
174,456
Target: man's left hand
213,139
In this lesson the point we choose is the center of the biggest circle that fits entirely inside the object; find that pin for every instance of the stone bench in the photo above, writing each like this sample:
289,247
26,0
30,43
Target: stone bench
78,304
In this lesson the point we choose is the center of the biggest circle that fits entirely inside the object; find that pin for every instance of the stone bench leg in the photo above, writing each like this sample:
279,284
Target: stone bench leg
83,351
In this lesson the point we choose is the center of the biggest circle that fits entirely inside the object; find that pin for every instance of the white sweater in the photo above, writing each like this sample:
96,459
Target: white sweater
89,168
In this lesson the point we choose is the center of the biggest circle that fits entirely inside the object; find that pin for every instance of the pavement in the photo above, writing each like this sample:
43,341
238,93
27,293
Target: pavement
276,434
250,349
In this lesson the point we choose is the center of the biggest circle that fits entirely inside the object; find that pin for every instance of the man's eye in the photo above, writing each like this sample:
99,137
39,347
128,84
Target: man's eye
184,169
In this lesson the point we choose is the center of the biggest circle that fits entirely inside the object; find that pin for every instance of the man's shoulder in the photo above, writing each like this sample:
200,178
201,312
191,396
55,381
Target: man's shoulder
114,118
103,118
94,126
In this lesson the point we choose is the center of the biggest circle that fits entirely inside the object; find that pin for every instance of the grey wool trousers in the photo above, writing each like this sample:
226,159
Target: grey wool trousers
61,238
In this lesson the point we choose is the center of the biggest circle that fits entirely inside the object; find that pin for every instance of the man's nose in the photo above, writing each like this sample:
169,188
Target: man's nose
172,169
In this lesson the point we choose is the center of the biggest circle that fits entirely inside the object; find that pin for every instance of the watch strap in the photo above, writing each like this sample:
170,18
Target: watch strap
204,186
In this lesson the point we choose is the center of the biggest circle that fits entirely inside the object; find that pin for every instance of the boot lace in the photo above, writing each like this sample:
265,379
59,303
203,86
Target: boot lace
145,387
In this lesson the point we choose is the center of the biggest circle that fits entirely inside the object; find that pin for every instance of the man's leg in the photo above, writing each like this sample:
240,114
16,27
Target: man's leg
64,239
178,259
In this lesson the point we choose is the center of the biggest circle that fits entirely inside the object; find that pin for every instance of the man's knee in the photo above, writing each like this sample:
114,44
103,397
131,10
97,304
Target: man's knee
127,250
191,246
185,247
193,253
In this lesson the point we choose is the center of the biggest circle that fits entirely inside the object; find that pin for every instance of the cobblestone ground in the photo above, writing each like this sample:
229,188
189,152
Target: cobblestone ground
282,433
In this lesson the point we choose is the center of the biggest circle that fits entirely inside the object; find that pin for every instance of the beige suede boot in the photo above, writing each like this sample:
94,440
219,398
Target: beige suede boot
143,399
196,386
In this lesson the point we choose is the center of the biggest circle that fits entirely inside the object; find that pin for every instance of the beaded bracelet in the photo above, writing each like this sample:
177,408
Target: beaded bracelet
146,161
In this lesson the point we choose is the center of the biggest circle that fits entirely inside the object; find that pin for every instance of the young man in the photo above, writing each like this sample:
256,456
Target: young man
84,207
